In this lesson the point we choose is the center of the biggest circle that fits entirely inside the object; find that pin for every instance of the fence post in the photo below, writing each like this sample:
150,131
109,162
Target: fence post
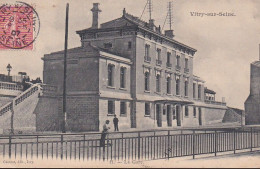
37,142
168,144
216,142
251,139
10,146
234,141
61,148
193,144
139,147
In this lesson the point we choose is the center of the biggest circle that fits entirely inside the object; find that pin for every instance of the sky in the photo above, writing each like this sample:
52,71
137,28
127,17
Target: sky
226,44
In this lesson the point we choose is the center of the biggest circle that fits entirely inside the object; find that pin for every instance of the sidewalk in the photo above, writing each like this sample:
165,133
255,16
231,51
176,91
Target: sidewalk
243,159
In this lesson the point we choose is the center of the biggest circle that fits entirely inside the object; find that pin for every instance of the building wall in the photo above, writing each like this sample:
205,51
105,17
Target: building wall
83,113
82,74
213,116
252,104
142,66
103,76
124,120
47,114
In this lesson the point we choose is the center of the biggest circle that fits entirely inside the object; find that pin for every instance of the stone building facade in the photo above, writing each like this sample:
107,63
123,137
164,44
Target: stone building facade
128,67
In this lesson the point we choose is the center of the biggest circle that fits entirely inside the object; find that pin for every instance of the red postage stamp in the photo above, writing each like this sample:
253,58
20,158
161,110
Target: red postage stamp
19,26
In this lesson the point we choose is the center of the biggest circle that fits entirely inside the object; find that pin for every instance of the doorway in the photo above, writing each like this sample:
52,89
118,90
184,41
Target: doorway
169,116
178,115
158,115
200,117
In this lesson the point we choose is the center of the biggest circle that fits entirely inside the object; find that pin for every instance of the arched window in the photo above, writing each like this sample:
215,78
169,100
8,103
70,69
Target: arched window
147,81
158,81
177,86
178,60
122,77
186,83
110,77
168,83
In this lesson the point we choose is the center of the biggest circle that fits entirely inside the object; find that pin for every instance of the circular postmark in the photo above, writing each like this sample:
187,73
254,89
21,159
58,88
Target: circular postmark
19,26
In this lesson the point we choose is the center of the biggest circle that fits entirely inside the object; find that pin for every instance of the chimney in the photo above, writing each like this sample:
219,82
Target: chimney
169,33
95,10
151,24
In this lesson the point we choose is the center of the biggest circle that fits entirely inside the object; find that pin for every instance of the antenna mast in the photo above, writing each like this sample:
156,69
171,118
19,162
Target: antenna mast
150,8
170,21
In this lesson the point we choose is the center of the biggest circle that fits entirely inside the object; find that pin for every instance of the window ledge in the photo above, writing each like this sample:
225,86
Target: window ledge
178,95
186,96
186,116
147,115
168,94
123,115
110,114
123,89
111,87
159,93
147,61
147,91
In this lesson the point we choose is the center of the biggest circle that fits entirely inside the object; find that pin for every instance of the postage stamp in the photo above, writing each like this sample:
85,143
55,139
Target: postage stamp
19,26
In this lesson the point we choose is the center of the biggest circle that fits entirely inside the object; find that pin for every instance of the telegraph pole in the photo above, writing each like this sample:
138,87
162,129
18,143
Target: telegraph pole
64,115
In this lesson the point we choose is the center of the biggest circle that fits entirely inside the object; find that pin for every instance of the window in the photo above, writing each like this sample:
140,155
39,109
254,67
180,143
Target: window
147,50
186,85
158,81
194,90
158,54
168,57
186,63
194,112
111,107
111,75
168,84
147,81
177,85
173,114
122,77
178,61
186,111
122,108
147,109
129,45
108,45
199,91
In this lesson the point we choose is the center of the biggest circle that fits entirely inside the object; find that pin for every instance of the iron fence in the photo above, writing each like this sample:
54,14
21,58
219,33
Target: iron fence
130,146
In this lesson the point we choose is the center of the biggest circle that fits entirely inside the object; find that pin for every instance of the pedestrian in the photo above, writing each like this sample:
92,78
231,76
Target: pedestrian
115,121
104,133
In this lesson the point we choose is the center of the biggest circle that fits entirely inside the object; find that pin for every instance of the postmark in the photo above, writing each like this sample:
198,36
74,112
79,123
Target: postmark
19,26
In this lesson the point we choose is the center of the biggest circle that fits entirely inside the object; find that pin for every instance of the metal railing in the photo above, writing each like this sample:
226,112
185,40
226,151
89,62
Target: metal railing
129,146
215,102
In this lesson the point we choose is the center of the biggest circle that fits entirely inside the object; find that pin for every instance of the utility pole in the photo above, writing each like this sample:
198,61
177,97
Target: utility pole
64,115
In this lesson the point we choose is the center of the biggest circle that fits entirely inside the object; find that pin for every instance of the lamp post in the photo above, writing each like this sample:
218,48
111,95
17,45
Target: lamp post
9,68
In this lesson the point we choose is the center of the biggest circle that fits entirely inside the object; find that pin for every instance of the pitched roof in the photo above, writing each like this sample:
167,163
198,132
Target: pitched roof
206,90
135,21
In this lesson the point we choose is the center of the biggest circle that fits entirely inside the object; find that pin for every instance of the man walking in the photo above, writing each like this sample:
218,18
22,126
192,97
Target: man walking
104,133
115,121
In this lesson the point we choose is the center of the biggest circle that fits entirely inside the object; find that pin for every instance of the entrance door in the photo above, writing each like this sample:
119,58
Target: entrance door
178,115
158,115
200,118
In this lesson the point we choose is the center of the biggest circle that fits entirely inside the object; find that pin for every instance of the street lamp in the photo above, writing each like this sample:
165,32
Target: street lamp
9,68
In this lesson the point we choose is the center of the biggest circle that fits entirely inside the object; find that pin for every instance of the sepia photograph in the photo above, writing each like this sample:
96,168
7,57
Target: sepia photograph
129,83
